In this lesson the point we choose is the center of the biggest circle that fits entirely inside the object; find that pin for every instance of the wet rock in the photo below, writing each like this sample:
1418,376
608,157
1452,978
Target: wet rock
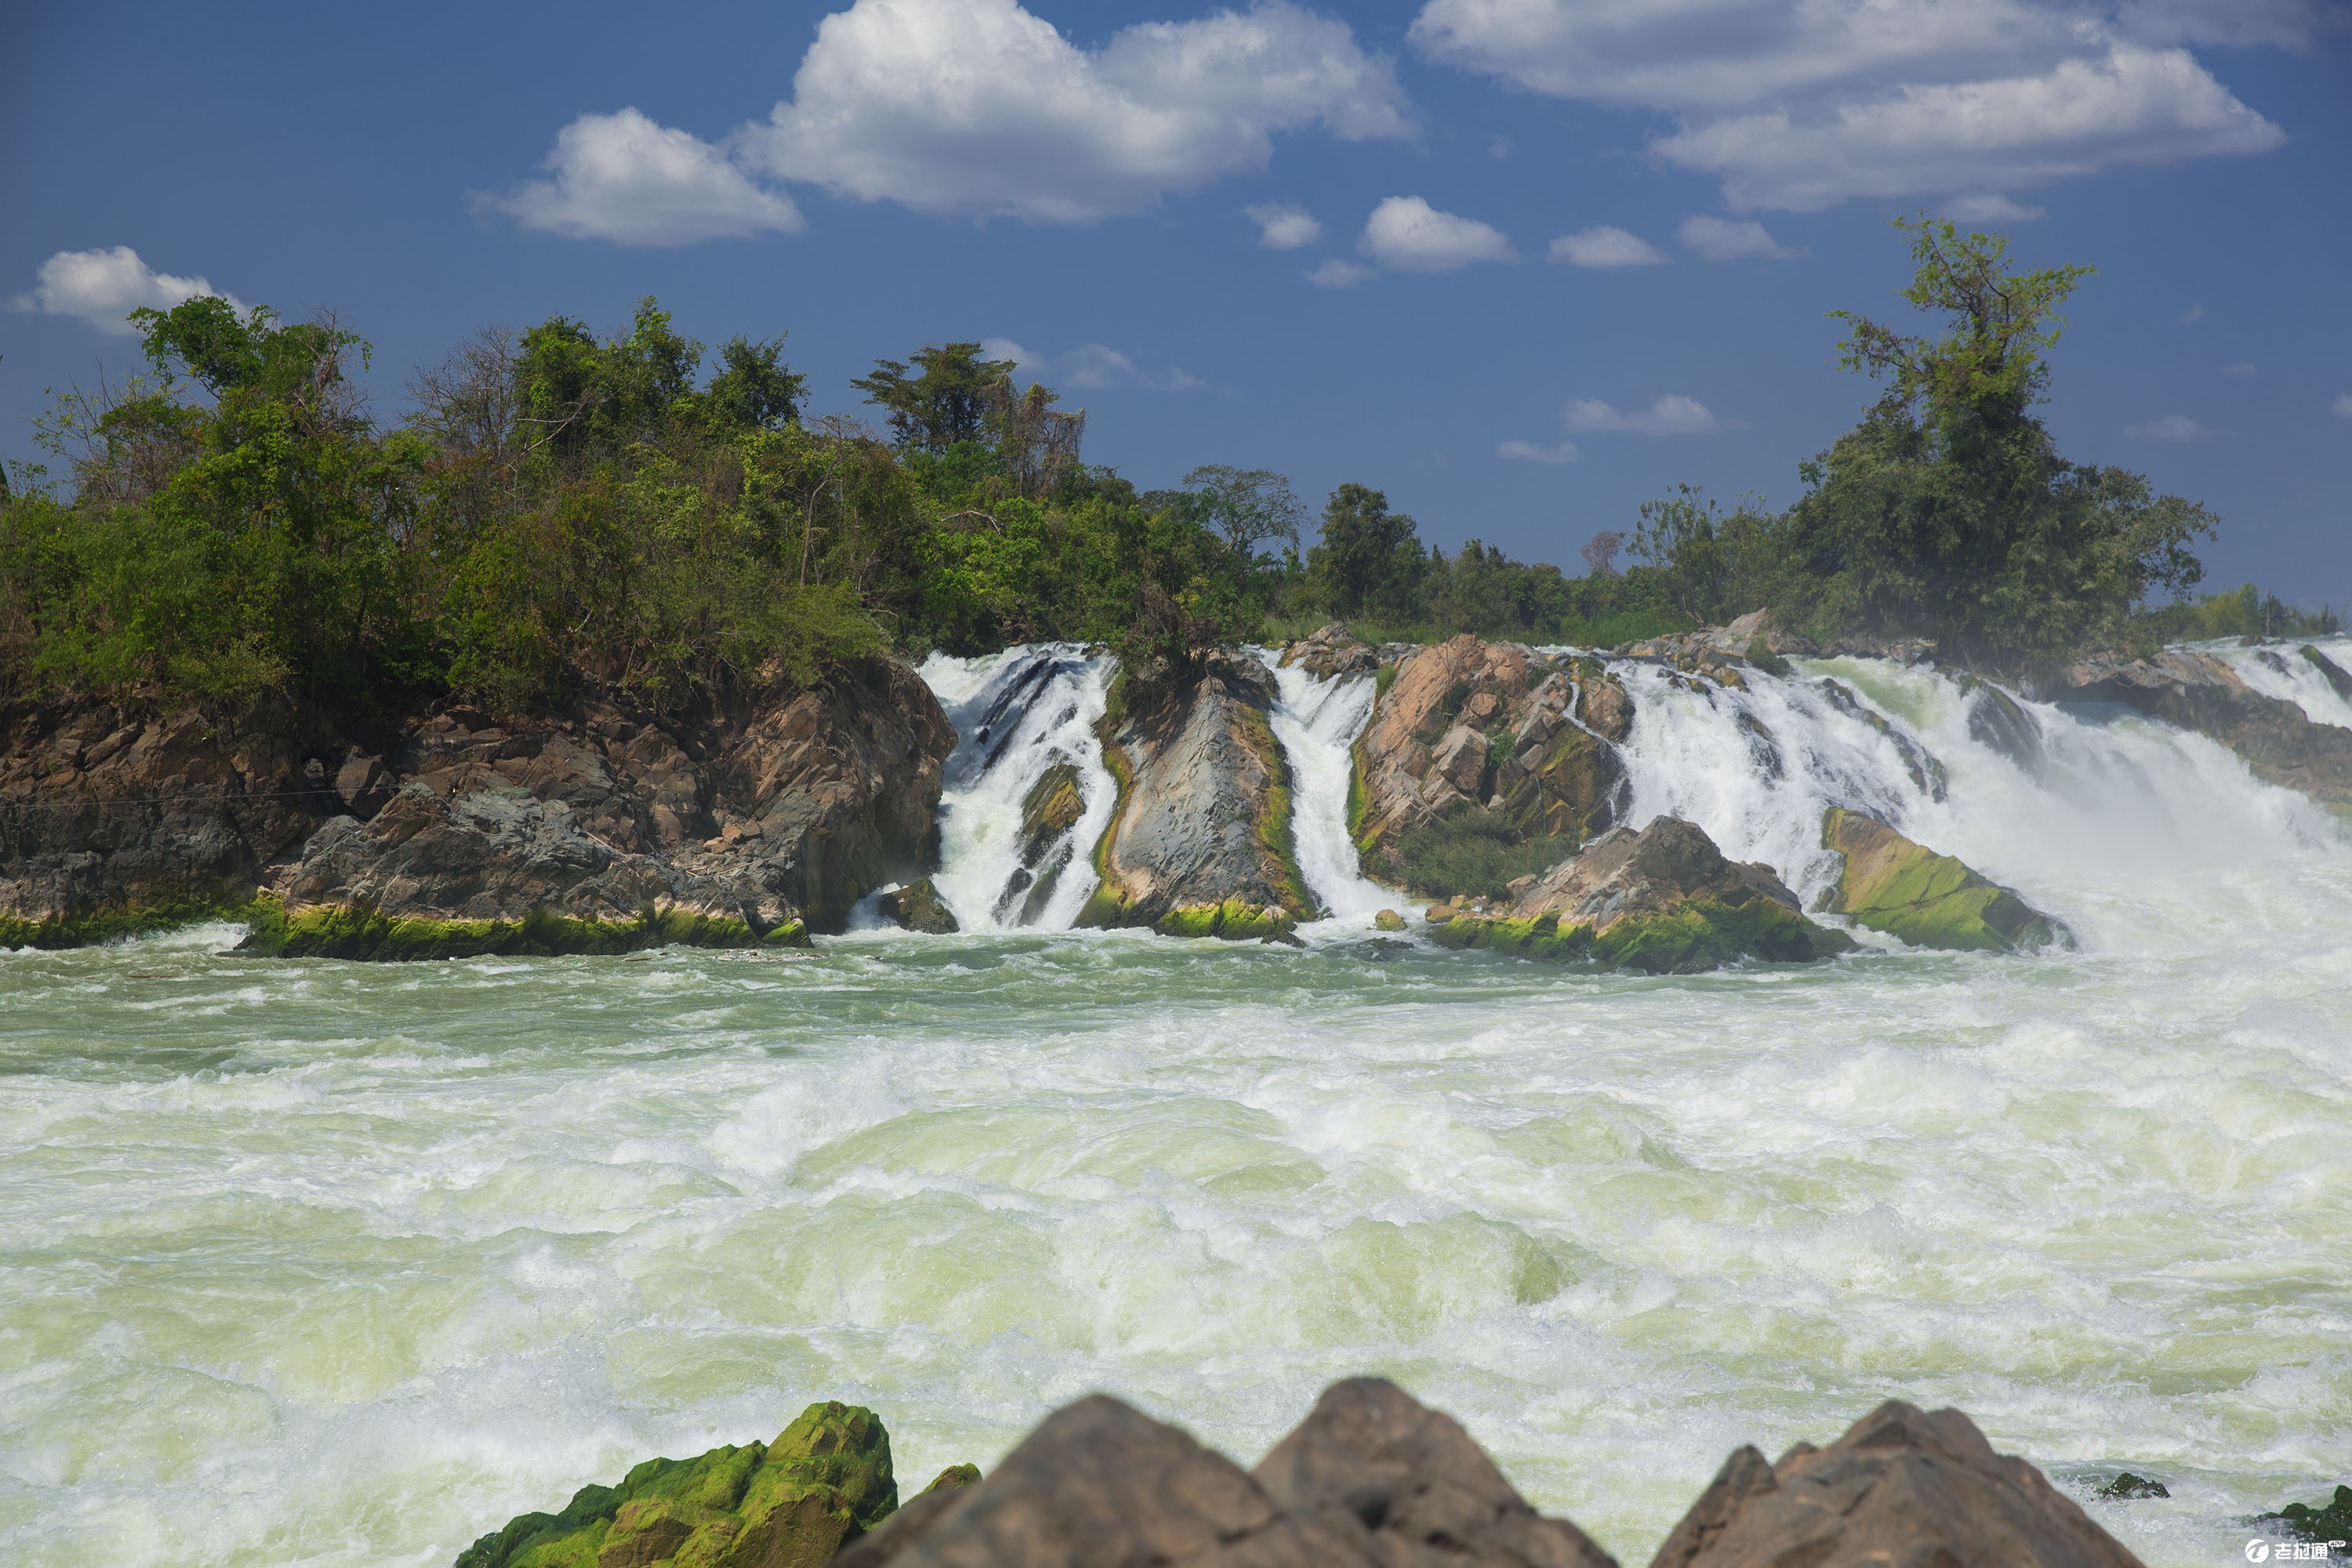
1999,720
1891,884
1901,1487
1199,843
2339,679
1332,651
1370,1458
1661,901
2329,1522
1051,809
1388,920
918,906
1926,770
2128,1487
793,1503
2198,691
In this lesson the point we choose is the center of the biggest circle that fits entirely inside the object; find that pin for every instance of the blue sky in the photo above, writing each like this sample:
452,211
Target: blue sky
1520,263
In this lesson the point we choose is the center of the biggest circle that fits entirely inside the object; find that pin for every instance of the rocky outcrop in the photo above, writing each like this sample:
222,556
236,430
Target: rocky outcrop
1901,1487
1889,883
2329,1523
1199,842
1332,651
1371,1481
1662,900
793,1503
587,831
1757,637
1485,760
2339,679
2198,691
918,906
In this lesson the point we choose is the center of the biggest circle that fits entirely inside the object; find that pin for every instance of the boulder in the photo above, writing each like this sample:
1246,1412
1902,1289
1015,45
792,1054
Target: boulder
2198,691
2129,1487
1370,1458
919,907
1661,901
1388,920
2329,1522
793,1503
1905,890
1901,1487
1332,651
1199,842
1483,760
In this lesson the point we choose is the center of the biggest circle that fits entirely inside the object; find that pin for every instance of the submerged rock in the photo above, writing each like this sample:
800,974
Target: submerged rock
1901,1487
919,907
793,1503
2198,691
1199,843
2129,1487
2328,1521
1661,901
1891,884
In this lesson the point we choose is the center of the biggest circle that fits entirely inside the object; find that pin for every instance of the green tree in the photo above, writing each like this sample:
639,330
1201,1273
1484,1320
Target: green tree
754,389
1369,559
939,401
1247,508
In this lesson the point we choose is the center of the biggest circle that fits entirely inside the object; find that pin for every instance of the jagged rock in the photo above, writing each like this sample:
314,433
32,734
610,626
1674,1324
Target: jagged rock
2339,679
919,907
1902,1487
1891,884
1372,1457
792,1503
2129,1487
1483,759
1199,843
1662,900
1332,651
2198,691
2330,1523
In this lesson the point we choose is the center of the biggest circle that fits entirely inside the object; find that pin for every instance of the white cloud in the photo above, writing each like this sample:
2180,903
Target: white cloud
102,286
1501,147
2194,314
1338,273
1284,225
2171,427
1529,452
1408,235
1801,104
979,107
1088,365
2239,367
2135,106
623,178
2342,406
1670,414
1727,239
1604,246
1991,207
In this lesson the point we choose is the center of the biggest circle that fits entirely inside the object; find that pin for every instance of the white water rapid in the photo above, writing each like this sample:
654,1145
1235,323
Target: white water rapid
2279,670
338,1265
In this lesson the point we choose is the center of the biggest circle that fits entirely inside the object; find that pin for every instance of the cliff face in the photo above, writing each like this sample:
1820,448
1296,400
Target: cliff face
598,828
1201,842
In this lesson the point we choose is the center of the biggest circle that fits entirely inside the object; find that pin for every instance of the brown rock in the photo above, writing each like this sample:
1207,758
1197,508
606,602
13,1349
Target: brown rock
1901,1487
2198,691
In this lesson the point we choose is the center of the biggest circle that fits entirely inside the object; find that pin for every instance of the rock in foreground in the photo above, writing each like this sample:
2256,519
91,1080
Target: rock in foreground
1902,1487
1905,890
793,1503
1664,900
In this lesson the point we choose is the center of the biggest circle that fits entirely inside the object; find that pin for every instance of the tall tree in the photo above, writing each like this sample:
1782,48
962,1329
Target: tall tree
939,397
1369,559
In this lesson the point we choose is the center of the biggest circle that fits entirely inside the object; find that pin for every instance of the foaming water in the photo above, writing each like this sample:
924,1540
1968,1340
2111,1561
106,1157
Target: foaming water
1318,722
2279,670
1018,714
339,1264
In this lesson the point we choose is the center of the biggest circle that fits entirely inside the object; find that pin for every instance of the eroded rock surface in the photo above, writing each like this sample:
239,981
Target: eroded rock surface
1889,883
1200,844
1902,1487
2198,691
1661,901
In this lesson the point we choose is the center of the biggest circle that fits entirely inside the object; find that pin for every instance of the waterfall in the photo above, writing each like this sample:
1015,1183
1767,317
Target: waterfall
1019,715
2279,670
1317,720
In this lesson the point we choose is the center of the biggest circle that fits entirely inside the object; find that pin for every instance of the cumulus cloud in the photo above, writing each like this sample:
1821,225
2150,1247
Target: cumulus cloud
1088,366
1801,104
103,287
1725,239
1984,207
1284,225
622,177
2342,406
1529,452
978,107
1670,414
1336,272
2170,427
1604,246
1407,234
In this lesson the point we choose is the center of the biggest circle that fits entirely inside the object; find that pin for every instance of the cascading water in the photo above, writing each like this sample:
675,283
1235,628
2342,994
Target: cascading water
1317,720
2280,670
1018,716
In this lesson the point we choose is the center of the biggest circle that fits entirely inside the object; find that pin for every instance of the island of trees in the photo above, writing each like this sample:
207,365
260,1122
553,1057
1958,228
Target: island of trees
634,512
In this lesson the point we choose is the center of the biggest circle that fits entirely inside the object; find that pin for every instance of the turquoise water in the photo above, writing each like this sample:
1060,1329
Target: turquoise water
322,1263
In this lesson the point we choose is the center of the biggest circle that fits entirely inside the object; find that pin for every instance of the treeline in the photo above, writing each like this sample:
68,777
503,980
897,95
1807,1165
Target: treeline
635,512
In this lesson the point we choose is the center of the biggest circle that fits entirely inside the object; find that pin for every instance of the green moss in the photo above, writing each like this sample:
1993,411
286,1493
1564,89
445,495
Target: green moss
1384,679
1106,907
1271,825
825,1480
1928,899
1472,852
121,921
326,932
2330,1520
1189,921
1703,935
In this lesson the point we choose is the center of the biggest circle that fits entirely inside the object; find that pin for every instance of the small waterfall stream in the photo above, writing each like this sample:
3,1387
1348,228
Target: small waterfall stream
1318,722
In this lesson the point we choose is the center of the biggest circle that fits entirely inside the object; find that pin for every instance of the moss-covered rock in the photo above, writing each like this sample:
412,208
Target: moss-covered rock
1231,920
919,907
1907,891
328,931
792,1503
2330,1520
120,923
